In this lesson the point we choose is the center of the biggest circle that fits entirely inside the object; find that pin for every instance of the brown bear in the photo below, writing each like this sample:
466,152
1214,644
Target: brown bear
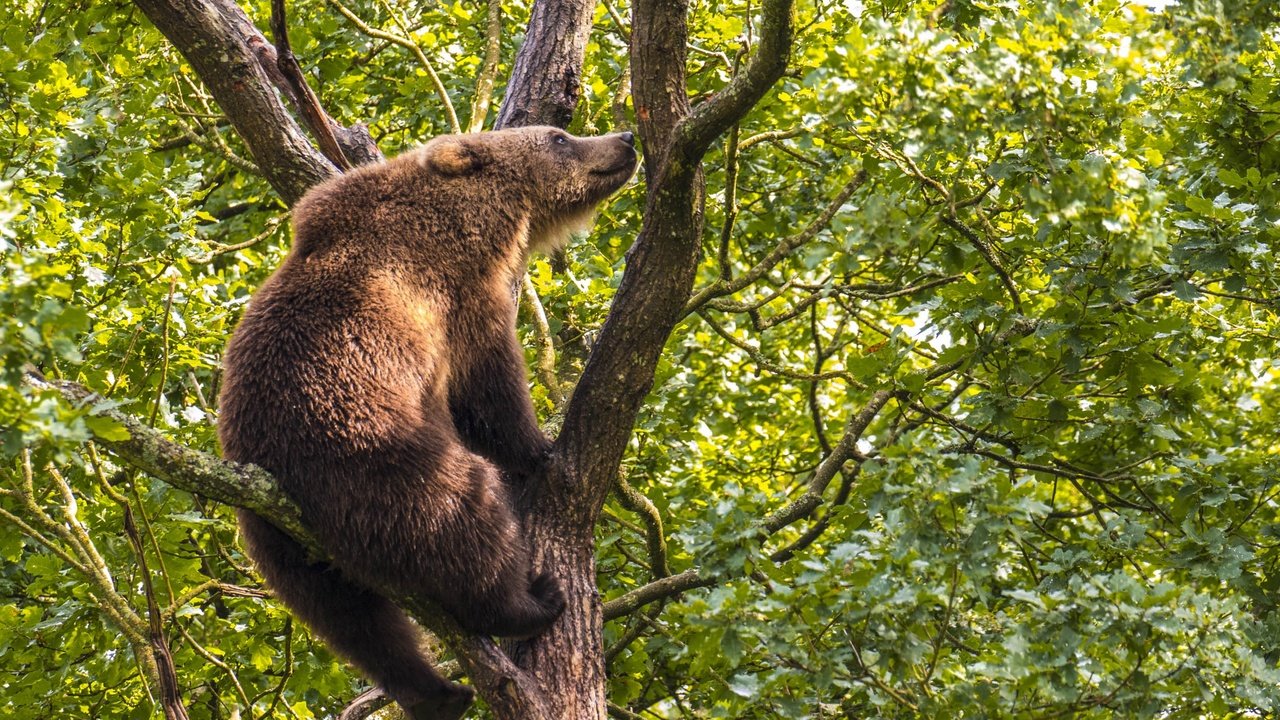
377,375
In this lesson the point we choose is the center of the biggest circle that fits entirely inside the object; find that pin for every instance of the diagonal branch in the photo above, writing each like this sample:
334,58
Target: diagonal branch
405,41
784,247
831,464
987,254
711,119
636,501
247,486
304,98
507,688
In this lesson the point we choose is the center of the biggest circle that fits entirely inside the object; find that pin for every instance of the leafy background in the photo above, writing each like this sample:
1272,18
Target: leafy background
1069,210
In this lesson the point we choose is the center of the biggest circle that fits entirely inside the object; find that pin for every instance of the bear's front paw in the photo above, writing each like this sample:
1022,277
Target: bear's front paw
545,588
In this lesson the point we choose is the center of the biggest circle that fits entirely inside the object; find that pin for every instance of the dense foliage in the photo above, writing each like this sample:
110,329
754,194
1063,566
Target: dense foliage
1034,243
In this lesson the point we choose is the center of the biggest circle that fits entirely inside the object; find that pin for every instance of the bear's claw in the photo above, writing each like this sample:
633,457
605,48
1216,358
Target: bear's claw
545,588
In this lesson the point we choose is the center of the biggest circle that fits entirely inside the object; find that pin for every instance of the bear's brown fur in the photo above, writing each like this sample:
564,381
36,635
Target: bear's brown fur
378,376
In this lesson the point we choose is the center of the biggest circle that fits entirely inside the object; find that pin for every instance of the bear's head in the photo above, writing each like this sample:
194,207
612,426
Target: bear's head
560,178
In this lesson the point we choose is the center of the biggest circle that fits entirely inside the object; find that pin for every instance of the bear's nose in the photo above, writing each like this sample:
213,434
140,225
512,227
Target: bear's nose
628,138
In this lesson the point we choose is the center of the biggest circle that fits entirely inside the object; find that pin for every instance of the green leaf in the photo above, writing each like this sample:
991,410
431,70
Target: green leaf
106,428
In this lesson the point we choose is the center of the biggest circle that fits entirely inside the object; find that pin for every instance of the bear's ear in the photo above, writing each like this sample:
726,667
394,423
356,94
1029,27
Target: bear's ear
454,155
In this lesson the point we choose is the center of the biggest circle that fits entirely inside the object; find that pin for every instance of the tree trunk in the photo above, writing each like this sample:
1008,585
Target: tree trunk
568,660
547,78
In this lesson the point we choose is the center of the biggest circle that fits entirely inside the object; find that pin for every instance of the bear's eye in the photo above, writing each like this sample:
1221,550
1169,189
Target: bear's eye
560,140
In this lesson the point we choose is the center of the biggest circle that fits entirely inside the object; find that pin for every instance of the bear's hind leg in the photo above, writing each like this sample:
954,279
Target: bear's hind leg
478,565
358,624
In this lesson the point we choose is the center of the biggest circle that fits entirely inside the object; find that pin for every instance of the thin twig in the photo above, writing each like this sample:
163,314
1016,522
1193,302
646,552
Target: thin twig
730,203
546,346
216,146
488,68
272,225
218,663
621,25
766,364
408,44
783,248
985,251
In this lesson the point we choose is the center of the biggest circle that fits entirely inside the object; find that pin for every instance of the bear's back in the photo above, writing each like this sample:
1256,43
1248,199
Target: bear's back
331,362
346,351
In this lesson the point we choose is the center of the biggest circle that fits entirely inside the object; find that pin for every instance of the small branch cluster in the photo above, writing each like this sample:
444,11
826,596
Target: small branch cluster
404,40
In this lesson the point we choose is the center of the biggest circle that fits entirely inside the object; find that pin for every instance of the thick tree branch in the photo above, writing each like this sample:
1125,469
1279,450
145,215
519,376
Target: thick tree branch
510,691
656,590
223,47
660,270
365,704
659,41
662,262
712,118
546,80
246,486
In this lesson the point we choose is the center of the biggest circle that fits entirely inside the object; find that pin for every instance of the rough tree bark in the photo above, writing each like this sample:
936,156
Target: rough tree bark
547,77
559,675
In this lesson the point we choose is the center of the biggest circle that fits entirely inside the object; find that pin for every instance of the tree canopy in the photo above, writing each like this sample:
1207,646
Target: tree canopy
973,409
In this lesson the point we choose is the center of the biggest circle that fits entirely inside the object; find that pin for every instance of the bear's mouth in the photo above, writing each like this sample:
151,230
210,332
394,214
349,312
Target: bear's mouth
625,165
